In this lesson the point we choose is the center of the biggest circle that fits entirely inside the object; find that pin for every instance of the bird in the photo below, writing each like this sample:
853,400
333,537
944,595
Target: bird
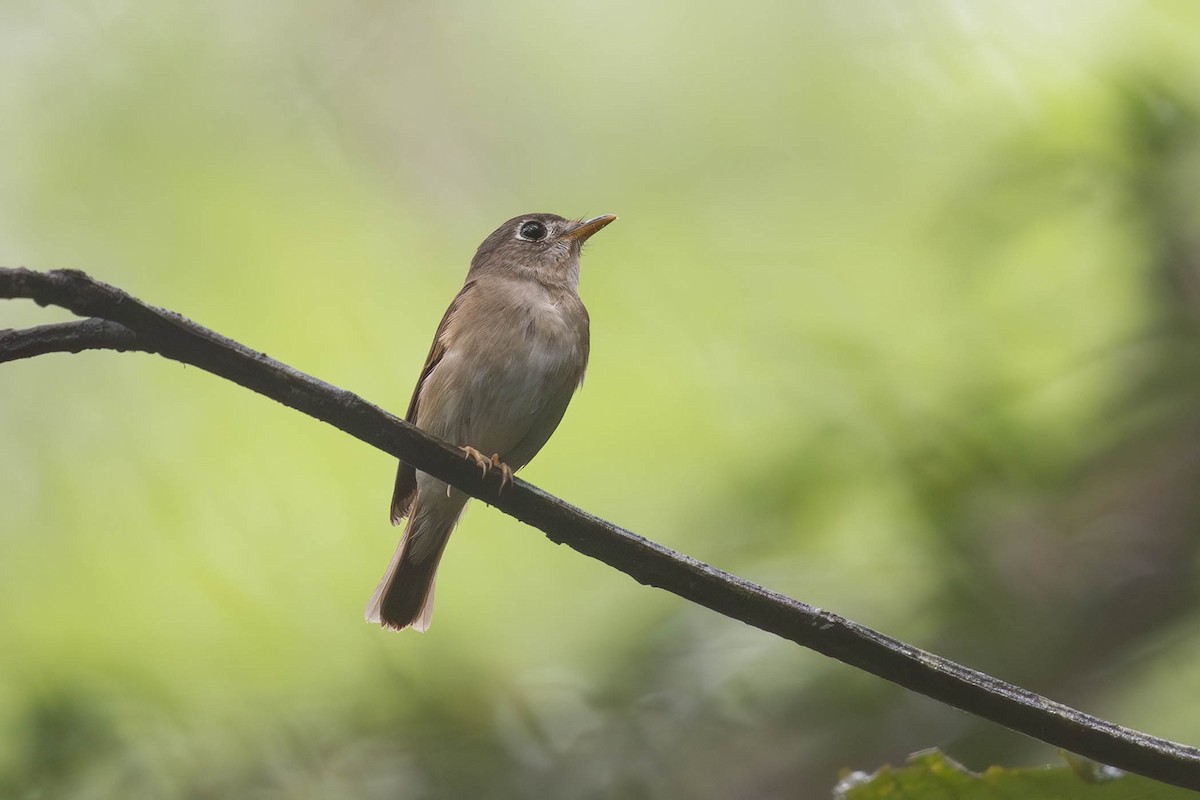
506,359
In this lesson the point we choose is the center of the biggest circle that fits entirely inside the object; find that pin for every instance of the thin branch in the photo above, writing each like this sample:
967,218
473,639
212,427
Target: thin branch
178,338
67,337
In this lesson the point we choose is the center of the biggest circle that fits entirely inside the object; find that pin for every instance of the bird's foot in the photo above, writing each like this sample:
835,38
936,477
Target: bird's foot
483,462
506,473
486,465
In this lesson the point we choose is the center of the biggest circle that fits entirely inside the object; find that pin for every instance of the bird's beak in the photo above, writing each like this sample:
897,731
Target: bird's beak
584,229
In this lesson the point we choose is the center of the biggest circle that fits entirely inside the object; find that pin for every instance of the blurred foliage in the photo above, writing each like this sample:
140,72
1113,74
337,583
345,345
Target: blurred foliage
932,775
900,319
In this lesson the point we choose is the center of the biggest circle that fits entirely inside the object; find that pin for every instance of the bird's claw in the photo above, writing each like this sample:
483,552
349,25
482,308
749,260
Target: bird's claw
481,461
486,465
506,473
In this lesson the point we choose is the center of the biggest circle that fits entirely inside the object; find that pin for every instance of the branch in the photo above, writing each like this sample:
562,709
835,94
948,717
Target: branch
125,323
67,337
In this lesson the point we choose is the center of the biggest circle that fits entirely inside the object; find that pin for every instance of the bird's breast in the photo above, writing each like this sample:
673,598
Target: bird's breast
514,355
541,345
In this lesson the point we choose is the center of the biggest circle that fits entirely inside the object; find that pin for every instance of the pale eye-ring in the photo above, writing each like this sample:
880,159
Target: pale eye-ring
532,231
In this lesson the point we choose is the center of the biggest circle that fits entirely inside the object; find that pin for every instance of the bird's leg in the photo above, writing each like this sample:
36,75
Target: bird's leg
481,461
506,473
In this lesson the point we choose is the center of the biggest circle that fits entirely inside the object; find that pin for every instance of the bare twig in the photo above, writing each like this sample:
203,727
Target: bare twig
67,337
142,327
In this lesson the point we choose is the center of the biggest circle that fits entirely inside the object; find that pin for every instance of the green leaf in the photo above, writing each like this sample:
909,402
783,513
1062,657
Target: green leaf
930,775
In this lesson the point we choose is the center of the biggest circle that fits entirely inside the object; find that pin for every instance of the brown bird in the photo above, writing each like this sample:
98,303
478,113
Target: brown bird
506,359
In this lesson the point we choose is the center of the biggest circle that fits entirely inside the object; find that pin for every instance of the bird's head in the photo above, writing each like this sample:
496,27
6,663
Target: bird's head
544,247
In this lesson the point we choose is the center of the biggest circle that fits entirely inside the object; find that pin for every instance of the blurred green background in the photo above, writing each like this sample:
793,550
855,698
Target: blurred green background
900,319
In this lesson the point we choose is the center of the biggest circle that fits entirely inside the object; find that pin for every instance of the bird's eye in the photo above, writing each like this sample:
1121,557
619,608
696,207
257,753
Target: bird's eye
532,231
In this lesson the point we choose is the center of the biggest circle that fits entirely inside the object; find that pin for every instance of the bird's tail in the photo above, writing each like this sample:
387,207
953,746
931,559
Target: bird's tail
404,597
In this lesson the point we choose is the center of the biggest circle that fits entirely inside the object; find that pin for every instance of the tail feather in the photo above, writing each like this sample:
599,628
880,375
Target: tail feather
404,596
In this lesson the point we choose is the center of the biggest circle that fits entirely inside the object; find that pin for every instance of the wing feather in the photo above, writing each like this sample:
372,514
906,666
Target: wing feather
406,477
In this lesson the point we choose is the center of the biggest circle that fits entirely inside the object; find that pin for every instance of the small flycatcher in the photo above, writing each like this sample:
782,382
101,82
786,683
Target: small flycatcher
506,359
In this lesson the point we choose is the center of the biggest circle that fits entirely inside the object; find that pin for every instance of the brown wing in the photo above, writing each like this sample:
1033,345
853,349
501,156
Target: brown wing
406,476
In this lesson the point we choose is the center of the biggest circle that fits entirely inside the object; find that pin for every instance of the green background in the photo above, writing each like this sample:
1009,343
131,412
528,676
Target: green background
899,319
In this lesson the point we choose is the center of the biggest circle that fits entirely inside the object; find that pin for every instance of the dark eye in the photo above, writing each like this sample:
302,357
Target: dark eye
533,231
